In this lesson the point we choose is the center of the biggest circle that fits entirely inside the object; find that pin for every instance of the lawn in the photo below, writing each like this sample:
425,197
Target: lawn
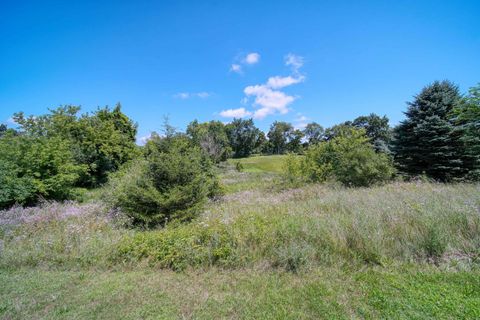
322,293
261,163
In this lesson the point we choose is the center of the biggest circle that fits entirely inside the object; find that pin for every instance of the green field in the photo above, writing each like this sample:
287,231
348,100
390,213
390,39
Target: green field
261,163
262,251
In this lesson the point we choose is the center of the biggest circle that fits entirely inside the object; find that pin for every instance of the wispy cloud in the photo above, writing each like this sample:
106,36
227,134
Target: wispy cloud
294,62
235,113
252,58
278,82
236,68
187,95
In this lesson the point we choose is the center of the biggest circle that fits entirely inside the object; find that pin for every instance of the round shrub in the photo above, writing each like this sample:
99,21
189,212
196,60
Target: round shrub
171,182
348,158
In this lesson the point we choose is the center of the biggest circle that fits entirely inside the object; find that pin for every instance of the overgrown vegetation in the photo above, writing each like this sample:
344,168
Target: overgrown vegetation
48,156
291,229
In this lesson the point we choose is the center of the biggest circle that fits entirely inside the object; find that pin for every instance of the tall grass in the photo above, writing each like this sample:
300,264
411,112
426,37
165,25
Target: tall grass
290,229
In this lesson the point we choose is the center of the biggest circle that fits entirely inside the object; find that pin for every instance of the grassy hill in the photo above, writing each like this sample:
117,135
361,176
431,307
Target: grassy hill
261,163
402,251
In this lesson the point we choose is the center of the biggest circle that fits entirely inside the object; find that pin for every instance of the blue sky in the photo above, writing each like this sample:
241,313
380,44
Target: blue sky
298,61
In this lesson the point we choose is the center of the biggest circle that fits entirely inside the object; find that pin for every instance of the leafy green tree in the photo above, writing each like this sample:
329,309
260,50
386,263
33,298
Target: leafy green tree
425,142
280,134
313,132
101,141
244,137
337,130
32,168
261,145
212,138
377,129
295,142
466,117
171,182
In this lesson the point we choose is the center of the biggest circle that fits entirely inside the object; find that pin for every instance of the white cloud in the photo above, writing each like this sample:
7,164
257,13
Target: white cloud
236,68
293,61
252,58
187,95
141,141
270,101
235,113
280,82
267,97
249,59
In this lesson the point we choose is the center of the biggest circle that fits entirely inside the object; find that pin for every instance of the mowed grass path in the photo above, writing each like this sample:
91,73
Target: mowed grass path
373,293
261,163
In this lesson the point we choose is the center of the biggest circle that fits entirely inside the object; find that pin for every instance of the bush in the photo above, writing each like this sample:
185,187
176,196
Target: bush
171,182
32,168
292,169
348,158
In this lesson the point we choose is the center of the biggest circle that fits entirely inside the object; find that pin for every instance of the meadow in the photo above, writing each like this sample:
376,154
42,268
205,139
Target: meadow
262,250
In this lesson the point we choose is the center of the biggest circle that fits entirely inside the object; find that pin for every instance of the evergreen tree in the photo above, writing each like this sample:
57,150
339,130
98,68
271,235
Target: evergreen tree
425,142
467,120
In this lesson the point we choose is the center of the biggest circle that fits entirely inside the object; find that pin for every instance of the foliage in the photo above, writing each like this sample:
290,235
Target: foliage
3,129
348,158
313,132
36,167
101,141
377,129
466,117
283,137
172,182
295,142
104,142
425,142
212,138
244,137
292,168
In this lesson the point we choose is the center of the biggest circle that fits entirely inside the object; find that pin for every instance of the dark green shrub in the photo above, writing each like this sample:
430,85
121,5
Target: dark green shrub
172,182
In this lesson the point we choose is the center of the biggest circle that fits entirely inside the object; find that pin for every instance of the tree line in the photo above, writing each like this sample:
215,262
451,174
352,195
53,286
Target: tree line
54,156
